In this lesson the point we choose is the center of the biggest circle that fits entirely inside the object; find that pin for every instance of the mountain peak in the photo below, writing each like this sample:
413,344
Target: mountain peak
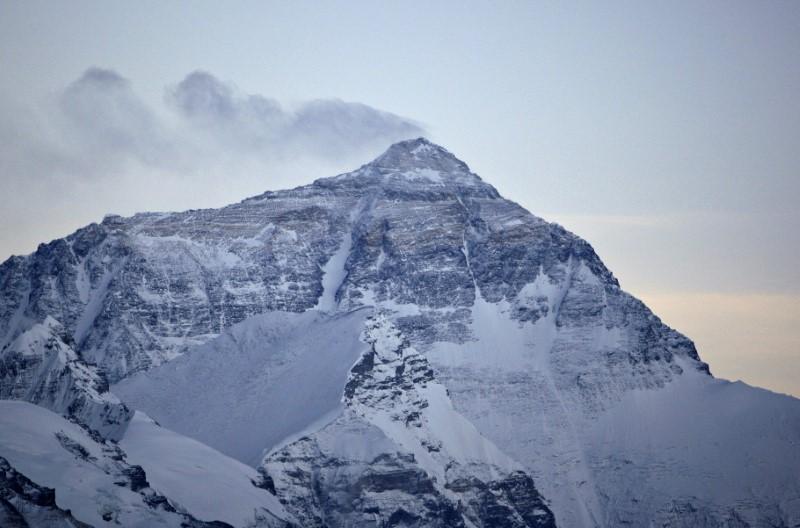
419,153
417,146
416,165
408,167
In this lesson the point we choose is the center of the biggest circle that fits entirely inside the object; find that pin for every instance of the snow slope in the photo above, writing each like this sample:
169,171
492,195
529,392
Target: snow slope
265,379
198,479
23,503
696,452
90,478
102,484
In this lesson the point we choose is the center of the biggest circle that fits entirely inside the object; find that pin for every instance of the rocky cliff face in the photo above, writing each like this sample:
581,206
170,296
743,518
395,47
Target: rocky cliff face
400,455
509,323
40,367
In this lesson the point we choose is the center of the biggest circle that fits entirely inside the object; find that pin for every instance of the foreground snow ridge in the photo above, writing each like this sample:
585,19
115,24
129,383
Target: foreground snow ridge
394,346
96,482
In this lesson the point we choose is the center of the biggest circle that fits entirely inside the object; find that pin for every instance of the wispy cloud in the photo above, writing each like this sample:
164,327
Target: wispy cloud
99,118
326,128
98,124
97,146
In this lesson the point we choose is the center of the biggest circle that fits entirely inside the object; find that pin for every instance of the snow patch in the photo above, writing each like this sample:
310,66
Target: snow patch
260,382
333,275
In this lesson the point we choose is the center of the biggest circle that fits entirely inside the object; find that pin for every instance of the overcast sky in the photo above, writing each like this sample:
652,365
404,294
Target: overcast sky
665,133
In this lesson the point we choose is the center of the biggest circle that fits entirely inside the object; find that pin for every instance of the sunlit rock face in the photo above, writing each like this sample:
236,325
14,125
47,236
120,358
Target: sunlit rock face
589,410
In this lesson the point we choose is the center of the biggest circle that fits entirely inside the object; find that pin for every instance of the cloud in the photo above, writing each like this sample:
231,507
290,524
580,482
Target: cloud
326,128
99,116
202,96
97,146
98,125
334,125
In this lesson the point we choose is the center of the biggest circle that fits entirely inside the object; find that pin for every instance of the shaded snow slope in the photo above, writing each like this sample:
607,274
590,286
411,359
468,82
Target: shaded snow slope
198,479
262,381
91,478
698,452
23,503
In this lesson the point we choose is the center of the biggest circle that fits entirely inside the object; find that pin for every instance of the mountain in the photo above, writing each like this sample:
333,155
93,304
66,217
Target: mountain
400,346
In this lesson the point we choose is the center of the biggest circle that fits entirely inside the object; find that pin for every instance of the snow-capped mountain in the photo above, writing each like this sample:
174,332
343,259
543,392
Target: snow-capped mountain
395,346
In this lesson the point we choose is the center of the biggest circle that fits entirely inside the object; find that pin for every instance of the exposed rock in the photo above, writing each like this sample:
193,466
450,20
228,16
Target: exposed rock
25,504
401,456
40,367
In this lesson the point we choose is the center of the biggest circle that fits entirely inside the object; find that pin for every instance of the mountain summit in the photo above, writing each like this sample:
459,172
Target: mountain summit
415,154
395,346
416,165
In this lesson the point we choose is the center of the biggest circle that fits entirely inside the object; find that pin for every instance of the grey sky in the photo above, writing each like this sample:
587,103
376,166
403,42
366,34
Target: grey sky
666,133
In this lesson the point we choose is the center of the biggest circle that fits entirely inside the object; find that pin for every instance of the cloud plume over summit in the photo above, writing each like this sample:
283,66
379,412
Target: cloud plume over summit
325,127
98,142
99,120
99,116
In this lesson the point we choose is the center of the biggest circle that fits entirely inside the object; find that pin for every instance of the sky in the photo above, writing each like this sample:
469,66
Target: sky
667,134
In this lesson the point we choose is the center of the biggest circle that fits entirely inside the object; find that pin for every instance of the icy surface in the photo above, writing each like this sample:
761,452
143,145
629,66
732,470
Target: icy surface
262,381
333,276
